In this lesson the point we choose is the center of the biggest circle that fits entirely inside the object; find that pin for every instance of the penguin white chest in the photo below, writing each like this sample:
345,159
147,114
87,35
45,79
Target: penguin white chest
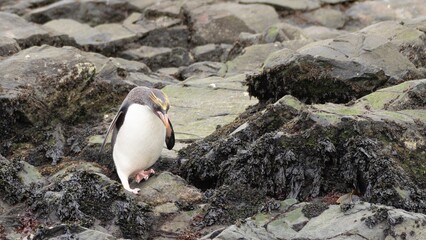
139,140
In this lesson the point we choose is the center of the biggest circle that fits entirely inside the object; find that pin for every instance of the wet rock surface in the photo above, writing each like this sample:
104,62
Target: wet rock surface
281,109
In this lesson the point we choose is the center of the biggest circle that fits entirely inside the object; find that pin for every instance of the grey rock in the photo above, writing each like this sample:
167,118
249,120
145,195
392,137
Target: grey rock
211,52
175,36
351,60
63,231
20,180
326,17
81,197
237,157
279,32
252,58
321,33
362,14
93,12
288,4
142,4
231,19
46,86
106,38
200,105
26,34
8,46
157,58
167,188
203,70
334,1
331,224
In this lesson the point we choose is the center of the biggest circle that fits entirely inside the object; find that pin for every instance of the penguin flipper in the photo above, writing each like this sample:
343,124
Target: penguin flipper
170,137
111,126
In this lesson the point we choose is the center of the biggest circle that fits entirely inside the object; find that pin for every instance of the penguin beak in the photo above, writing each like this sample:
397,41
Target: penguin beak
165,119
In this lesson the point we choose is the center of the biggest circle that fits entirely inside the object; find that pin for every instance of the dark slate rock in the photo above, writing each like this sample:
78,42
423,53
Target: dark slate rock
55,88
231,19
28,34
157,58
292,150
8,46
362,14
203,70
288,4
176,36
93,12
326,17
346,67
211,52
107,39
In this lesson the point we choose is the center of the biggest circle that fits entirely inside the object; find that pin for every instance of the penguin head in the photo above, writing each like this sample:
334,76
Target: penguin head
159,103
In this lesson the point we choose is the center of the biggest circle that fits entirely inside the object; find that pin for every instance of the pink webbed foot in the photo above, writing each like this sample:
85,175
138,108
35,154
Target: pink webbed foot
143,175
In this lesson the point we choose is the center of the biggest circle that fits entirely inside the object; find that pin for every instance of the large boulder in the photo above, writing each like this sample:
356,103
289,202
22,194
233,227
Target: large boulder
53,88
223,22
346,67
375,147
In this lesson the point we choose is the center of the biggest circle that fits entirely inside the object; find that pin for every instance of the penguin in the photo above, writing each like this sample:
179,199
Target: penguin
139,130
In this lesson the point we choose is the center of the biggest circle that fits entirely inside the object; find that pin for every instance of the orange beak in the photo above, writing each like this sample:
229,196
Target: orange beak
165,119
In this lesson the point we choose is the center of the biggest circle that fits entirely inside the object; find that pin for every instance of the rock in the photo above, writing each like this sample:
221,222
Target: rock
200,105
211,52
321,33
231,19
93,12
252,58
288,4
362,14
348,63
280,32
331,224
292,150
47,87
106,38
71,231
19,180
201,70
176,36
89,198
179,224
24,33
157,58
8,46
330,18
167,188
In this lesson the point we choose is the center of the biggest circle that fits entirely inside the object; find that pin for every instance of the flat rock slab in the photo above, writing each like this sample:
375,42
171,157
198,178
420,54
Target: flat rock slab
287,4
347,67
167,188
26,34
93,12
231,19
200,105
105,38
251,59
161,57
362,221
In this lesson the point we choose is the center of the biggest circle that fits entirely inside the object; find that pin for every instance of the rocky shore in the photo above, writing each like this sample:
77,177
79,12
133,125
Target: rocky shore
293,119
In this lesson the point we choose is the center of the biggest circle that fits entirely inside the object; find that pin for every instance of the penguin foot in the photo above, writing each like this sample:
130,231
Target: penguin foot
143,175
134,190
